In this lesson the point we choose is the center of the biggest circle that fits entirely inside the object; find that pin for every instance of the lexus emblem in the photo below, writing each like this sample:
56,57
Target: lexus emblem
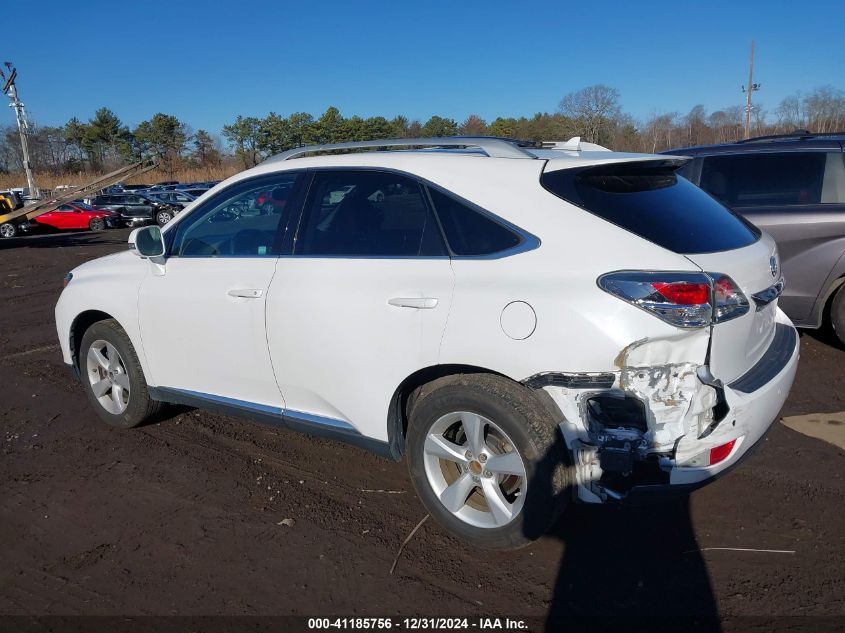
773,265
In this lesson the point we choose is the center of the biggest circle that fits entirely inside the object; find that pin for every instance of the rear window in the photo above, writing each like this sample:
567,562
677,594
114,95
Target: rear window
654,202
469,232
774,179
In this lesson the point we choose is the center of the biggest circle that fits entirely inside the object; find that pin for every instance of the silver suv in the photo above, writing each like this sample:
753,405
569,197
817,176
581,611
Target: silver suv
793,187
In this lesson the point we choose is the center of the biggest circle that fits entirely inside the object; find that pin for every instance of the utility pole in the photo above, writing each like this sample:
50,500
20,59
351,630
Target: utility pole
11,91
752,87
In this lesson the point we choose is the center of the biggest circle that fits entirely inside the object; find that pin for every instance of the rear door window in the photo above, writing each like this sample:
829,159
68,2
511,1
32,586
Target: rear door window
767,178
651,200
366,213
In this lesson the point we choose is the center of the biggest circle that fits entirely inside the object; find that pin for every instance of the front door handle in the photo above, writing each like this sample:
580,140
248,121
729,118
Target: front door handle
420,303
246,293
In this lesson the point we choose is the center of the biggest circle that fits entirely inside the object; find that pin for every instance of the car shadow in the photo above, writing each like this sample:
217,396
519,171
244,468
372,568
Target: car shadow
824,335
626,567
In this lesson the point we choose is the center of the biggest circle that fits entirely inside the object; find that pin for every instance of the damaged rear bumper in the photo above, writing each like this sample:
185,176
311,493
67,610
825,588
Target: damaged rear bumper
647,430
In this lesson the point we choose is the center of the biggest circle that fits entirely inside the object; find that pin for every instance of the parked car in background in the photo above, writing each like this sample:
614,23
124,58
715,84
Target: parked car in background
273,200
164,186
523,326
12,199
793,187
69,216
135,209
78,216
134,187
197,192
180,199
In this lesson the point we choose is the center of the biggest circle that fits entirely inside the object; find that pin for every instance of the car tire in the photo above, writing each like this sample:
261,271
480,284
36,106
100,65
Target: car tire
163,217
8,230
112,377
97,224
529,491
837,313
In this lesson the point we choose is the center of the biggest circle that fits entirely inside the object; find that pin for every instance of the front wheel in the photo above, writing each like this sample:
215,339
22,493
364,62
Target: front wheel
112,377
97,224
8,230
487,460
163,217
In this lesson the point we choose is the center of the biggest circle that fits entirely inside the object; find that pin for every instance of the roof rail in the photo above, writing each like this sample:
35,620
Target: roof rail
493,146
799,134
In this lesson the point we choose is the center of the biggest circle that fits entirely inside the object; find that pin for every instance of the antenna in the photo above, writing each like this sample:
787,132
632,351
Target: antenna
752,87
11,91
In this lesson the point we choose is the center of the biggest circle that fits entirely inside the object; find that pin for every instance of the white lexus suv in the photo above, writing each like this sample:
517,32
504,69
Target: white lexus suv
523,326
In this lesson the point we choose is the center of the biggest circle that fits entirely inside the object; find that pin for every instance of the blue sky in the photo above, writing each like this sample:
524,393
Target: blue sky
208,61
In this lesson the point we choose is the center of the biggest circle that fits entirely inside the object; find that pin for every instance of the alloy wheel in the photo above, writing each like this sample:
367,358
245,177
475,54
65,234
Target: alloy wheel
474,469
108,377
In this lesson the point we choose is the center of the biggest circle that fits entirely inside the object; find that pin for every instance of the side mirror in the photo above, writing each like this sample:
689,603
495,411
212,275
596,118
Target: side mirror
146,242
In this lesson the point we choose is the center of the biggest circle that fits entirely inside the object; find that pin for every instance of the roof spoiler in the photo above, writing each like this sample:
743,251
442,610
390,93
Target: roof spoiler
574,145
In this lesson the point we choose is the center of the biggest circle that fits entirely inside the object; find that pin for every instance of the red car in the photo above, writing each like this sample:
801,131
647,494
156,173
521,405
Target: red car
273,201
77,215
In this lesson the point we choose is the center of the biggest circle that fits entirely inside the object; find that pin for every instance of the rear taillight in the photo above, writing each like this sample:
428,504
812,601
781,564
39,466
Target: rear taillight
686,300
728,300
681,299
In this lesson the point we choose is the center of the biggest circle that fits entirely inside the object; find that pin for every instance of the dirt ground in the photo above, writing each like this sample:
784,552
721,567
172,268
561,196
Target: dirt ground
184,517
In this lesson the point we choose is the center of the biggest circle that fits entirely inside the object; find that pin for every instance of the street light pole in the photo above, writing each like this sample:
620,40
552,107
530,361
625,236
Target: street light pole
752,87
12,92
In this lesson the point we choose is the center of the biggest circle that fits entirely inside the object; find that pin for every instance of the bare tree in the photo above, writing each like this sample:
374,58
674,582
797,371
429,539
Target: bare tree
825,108
596,109
657,132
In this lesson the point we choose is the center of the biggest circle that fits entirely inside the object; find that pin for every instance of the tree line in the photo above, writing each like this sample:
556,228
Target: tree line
595,113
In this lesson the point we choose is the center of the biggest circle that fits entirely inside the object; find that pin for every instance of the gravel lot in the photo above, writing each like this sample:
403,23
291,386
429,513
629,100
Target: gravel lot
185,517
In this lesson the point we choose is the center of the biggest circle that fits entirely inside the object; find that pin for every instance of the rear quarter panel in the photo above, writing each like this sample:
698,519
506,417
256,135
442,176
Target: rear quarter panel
579,327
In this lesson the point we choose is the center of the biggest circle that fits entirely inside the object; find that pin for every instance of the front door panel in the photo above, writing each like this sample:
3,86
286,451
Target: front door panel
202,327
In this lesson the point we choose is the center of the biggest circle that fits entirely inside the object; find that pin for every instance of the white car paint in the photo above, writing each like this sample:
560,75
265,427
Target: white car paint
330,340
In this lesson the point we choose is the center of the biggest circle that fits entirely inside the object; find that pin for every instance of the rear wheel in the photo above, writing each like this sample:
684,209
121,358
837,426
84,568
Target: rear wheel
837,313
113,378
487,460
8,230
97,224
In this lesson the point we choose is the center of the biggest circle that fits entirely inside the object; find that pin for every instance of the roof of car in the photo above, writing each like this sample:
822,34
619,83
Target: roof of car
571,153
800,139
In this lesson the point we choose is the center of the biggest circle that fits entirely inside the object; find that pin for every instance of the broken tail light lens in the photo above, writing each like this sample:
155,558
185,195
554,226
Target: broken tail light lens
728,300
680,299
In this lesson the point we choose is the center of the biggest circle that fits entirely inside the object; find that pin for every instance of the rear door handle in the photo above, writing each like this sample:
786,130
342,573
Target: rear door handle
420,303
246,293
